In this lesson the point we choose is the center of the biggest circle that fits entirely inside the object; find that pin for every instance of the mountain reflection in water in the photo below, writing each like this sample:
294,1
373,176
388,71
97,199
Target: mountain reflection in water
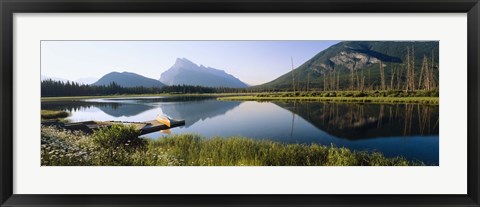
409,130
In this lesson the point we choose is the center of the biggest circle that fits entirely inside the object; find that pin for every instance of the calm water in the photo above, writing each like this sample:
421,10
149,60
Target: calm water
409,130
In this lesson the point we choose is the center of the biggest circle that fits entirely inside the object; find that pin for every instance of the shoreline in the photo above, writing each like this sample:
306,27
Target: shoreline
62,98
109,147
378,100
260,97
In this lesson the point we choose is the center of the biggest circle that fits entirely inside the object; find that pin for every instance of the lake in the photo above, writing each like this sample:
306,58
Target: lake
408,130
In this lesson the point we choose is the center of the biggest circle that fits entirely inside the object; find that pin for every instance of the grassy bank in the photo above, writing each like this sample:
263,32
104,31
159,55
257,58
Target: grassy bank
422,97
66,98
120,146
49,114
385,100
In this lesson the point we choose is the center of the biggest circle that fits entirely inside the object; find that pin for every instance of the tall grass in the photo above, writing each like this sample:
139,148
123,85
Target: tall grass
120,145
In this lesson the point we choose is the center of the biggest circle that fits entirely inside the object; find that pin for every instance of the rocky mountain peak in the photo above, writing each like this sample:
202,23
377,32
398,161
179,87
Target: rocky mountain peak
186,72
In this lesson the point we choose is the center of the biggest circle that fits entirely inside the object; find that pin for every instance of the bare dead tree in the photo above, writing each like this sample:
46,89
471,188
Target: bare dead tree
413,68
293,78
352,76
382,76
392,76
338,81
356,82
369,79
362,82
424,74
432,80
410,84
399,75
325,80
407,84
333,79
308,81
299,81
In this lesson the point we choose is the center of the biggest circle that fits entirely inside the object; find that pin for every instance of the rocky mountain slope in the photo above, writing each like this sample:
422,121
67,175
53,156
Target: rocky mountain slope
346,56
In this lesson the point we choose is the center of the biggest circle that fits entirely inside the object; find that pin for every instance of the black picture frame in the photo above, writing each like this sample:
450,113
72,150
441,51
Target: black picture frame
9,7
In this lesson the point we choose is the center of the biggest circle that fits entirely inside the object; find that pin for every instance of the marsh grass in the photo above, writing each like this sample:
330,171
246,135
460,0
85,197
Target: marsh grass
120,146
382,97
49,114
380,100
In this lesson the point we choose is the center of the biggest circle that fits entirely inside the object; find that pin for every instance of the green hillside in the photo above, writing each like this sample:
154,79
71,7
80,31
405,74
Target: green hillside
336,62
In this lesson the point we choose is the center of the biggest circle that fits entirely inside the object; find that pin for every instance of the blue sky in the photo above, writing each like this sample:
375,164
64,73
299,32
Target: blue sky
253,62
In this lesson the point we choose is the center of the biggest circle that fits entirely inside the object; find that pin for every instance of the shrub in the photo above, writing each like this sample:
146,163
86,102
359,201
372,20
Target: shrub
304,94
118,136
347,94
359,94
49,114
332,94
395,93
421,93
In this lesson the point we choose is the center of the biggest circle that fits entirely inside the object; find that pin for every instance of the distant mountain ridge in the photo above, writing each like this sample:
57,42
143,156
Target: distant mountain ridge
185,72
128,79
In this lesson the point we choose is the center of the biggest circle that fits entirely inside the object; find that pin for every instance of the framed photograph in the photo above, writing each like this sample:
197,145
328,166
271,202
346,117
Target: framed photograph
239,103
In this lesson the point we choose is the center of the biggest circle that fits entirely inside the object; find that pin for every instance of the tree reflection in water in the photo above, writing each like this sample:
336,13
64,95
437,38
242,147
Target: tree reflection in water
363,121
